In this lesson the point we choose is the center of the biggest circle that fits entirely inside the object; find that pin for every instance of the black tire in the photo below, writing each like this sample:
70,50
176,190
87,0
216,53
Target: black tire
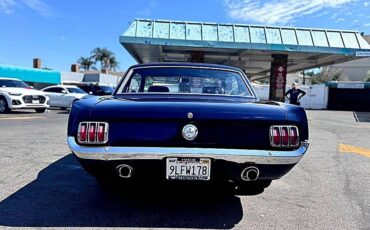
40,110
4,108
252,187
111,185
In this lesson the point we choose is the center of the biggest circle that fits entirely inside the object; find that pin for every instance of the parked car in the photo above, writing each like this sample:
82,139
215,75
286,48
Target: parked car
187,122
93,88
63,96
15,94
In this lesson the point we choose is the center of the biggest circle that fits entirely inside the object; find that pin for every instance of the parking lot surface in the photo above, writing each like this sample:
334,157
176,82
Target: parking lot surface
42,185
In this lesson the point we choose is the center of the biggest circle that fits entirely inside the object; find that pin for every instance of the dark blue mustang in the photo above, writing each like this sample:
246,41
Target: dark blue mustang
187,122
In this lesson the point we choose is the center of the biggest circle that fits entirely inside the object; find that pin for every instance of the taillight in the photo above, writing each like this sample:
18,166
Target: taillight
101,133
92,133
294,136
275,136
284,136
82,132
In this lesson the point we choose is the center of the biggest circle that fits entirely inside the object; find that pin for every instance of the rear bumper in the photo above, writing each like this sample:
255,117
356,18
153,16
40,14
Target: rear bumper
240,156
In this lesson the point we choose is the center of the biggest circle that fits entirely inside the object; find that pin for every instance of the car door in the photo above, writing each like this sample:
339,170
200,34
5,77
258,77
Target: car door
55,94
66,98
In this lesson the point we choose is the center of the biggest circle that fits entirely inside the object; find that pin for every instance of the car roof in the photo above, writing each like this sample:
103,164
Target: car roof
10,78
63,86
190,64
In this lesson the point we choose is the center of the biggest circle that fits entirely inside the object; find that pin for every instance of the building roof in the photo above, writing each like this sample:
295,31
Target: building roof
245,46
30,74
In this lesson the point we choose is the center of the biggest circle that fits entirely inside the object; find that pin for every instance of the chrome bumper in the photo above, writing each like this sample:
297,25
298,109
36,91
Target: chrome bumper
154,153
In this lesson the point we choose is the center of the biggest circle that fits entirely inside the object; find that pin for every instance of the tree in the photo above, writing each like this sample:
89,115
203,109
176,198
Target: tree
327,74
86,63
113,64
106,58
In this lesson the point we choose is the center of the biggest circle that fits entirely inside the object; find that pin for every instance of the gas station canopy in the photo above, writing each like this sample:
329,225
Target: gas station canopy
249,47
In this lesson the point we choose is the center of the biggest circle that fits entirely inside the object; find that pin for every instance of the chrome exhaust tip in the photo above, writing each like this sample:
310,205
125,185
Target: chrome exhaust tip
124,171
250,173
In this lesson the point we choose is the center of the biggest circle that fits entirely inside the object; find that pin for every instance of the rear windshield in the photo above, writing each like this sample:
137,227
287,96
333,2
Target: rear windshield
185,81
12,83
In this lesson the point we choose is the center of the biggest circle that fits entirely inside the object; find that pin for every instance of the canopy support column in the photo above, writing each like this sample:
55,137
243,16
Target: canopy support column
197,56
278,73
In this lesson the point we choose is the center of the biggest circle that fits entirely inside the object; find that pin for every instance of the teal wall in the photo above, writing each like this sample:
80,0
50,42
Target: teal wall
30,74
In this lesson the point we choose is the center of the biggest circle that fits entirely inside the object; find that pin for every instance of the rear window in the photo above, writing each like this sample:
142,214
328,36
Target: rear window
178,80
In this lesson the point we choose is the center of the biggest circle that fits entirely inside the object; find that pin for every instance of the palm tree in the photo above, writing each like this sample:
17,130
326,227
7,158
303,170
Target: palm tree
113,63
86,63
106,58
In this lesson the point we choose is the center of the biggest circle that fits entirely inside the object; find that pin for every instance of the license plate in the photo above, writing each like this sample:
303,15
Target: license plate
188,168
35,102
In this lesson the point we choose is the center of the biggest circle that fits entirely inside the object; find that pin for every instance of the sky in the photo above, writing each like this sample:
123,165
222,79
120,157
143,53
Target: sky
59,32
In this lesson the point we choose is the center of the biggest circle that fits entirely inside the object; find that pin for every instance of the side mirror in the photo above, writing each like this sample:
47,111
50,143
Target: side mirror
31,87
64,91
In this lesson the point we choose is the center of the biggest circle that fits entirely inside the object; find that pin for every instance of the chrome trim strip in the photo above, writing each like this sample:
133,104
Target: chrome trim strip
152,153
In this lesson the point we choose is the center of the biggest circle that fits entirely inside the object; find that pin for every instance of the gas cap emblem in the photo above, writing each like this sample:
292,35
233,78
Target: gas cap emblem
190,115
189,132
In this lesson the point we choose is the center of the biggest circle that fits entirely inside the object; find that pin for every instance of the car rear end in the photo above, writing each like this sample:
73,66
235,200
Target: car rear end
187,130
232,146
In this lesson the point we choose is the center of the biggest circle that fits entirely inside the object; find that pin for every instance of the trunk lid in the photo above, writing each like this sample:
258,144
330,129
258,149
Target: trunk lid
156,122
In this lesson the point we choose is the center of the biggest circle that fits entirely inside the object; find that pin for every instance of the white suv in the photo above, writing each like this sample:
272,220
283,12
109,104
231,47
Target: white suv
15,94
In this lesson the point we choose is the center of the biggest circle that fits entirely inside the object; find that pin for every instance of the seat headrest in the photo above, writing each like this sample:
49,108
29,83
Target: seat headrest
158,89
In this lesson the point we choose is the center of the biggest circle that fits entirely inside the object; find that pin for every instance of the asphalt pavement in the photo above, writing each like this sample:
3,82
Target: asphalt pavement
42,185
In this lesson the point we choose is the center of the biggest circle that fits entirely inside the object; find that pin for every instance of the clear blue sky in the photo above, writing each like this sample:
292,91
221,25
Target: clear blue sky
59,32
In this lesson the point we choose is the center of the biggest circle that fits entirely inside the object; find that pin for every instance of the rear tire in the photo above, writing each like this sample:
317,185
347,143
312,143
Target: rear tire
4,108
252,187
40,110
110,185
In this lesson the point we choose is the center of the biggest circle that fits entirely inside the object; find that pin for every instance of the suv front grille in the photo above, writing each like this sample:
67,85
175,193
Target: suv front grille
28,99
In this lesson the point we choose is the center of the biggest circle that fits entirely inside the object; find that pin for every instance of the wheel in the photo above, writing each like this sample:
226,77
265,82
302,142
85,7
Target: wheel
110,185
4,108
40,110
252,187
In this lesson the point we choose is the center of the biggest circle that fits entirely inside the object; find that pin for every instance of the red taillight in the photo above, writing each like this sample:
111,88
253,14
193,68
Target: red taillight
92,133
101,132
284,136
82,132
294,138
275,136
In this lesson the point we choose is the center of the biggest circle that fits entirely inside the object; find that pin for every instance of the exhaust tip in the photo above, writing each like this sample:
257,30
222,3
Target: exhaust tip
250,173
124,171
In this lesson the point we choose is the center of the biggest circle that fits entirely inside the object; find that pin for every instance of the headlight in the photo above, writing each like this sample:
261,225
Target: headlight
15,94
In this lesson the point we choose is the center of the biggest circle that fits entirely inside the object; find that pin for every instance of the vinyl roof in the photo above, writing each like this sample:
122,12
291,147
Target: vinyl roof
245,46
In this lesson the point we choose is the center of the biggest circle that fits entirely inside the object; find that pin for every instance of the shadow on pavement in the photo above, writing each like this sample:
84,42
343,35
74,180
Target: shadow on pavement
64,195
362,116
